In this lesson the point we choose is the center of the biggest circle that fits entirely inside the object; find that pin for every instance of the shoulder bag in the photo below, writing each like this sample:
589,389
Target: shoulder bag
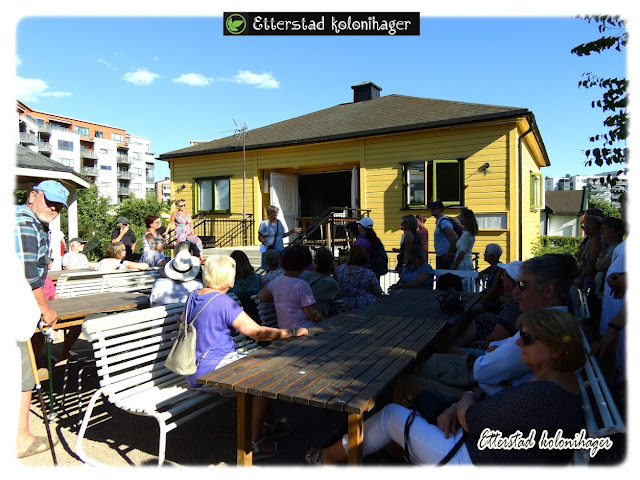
182,357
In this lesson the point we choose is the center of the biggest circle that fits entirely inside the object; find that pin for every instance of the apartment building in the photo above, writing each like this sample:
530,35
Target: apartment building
163,191
606,186
118,162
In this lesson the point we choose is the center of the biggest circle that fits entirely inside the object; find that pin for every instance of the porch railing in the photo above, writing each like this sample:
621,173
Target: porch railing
329,229
217,232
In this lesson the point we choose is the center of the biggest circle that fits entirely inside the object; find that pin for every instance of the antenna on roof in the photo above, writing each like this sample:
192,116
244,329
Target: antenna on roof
240,133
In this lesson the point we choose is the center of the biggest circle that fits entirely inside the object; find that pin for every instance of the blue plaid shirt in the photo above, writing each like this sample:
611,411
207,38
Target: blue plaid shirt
32,246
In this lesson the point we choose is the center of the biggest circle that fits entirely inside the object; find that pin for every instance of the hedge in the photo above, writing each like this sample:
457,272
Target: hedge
552,244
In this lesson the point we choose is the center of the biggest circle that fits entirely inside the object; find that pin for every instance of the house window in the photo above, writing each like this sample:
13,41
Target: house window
65,145
137,171
212,194
82,131
105,151
67,162
99,134
118,137
136,156
491,221
105,167
137,187
432,180
536,191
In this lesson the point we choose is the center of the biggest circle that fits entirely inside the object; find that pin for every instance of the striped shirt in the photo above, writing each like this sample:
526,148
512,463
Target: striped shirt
32,246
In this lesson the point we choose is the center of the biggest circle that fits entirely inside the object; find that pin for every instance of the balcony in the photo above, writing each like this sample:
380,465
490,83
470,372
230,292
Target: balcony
123,159
150,180
89,171
28,138
88,153
126,175
44,148
124,191
44,128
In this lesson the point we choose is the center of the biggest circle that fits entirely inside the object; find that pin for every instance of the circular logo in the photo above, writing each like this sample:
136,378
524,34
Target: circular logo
236,24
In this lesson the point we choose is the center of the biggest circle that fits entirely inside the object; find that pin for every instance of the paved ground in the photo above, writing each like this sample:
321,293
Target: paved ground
117,438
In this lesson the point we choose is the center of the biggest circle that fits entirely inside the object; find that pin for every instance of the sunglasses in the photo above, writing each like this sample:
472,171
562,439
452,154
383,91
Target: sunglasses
526,338
523,285
181,205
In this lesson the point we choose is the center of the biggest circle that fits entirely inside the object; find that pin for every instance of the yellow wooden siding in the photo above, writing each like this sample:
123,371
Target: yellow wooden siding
484,192
380,160
185,170
530,218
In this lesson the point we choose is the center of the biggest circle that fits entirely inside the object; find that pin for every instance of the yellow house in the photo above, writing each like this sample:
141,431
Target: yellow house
390,155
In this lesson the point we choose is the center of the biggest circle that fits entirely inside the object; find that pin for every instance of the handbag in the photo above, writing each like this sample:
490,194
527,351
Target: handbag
430,403
182,357
451,301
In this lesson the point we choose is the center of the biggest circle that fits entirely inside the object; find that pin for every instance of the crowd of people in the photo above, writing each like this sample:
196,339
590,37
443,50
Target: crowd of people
508,365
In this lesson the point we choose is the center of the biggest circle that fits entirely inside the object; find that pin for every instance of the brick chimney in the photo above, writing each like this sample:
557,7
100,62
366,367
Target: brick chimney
365,91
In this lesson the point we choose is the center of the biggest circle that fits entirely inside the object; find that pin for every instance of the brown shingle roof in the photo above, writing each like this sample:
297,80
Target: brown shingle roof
388,114
565,202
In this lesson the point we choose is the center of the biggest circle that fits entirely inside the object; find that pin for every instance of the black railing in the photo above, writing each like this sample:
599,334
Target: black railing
227,231
329,229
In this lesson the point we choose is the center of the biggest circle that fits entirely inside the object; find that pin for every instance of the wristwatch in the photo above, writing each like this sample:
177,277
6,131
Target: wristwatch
615,327
293,332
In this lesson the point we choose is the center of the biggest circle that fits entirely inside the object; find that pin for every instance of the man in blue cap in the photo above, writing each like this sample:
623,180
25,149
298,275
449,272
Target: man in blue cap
44,203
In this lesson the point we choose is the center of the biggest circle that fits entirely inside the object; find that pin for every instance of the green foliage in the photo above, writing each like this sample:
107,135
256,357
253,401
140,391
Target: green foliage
551,244
614,99
20,196
94,221
607,209
135,210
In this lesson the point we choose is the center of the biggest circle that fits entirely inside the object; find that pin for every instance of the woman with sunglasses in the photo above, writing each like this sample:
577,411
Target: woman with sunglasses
181,221
551,345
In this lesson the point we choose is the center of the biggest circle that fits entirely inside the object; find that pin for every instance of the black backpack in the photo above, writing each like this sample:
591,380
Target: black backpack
379,260
456,226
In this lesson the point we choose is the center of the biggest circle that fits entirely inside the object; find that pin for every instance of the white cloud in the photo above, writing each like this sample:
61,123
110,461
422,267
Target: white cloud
261,80
18,61
193,79
141,77
106,63
31,89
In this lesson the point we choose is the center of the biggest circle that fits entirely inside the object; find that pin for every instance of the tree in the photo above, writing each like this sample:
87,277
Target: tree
614,98
94,221
136,209
607,209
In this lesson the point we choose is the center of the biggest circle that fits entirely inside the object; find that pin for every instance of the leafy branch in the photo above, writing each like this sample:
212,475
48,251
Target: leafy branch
614,99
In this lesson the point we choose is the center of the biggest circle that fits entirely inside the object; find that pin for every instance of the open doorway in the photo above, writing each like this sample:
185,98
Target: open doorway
319,191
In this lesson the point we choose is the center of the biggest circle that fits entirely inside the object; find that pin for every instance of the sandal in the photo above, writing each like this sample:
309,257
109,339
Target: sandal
36,446
313,456
279,428
258,455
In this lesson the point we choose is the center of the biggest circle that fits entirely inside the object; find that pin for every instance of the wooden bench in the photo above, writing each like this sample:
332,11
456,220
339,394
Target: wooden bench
75,284
130,349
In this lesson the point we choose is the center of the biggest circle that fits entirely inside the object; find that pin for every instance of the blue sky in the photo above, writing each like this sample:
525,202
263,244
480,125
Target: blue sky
178,79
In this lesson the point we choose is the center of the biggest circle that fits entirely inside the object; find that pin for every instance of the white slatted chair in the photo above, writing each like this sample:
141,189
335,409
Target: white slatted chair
130,349
595,392
134,281
76,284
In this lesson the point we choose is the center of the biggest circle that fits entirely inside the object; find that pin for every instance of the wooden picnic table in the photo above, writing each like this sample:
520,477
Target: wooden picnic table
344,363
71,311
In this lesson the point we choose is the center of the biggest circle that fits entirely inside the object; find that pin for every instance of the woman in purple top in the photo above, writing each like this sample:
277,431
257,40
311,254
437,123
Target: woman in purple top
294,301
216,318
